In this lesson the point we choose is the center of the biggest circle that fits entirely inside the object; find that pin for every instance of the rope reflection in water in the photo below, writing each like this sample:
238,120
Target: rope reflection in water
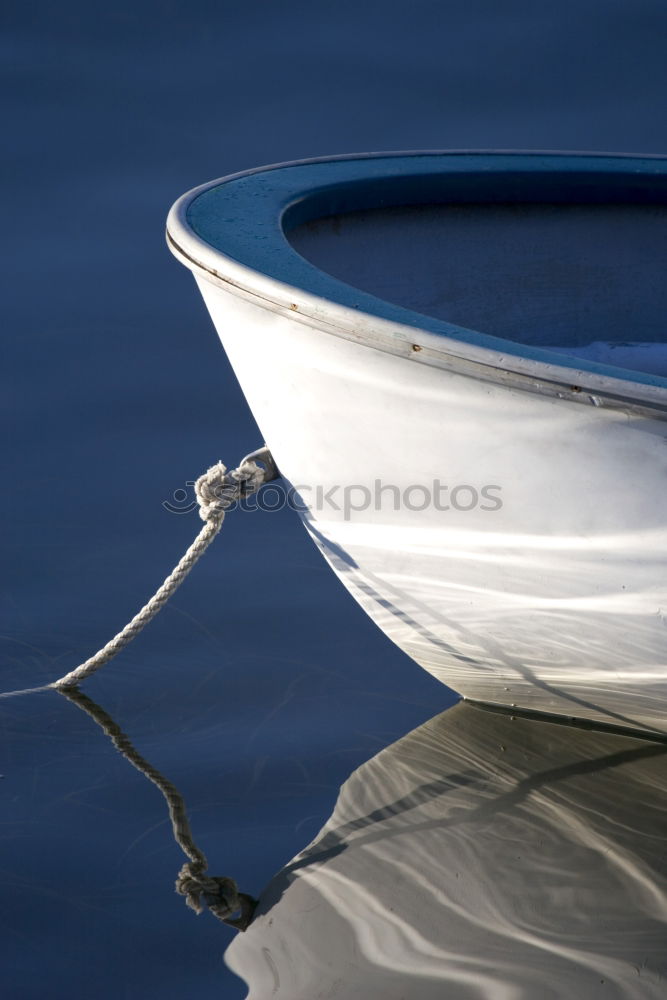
220,894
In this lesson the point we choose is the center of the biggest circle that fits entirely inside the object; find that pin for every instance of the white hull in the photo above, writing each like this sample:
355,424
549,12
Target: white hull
546,588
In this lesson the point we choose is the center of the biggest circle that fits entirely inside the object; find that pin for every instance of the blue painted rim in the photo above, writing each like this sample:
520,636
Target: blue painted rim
246,217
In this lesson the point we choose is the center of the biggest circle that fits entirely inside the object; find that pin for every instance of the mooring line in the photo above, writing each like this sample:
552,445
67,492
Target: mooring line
216,491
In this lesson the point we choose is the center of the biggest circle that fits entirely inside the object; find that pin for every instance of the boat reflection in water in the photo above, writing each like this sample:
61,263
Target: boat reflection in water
483,855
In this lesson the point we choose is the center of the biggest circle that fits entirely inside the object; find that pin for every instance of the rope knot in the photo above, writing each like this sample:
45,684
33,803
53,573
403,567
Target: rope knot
218,489
219,894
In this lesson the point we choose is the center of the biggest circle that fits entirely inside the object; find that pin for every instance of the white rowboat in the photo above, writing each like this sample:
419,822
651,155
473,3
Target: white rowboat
458,361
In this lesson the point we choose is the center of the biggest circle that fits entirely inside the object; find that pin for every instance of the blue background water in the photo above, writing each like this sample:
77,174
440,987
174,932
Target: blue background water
262,685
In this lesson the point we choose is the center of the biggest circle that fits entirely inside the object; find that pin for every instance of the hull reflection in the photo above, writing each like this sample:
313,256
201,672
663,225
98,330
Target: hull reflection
480,856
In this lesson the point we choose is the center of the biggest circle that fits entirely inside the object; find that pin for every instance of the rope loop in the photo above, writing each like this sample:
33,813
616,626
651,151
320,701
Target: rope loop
219,894
217,490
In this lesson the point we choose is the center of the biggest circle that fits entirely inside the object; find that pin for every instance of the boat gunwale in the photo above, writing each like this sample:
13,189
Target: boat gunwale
490,359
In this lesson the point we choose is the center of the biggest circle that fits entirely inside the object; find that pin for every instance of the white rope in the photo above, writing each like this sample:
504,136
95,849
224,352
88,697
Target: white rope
216,490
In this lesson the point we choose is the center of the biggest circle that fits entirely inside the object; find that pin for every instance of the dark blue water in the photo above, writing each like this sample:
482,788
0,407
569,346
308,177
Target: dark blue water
262,685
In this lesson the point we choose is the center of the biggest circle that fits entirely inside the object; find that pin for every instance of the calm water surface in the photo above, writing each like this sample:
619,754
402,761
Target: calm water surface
261,687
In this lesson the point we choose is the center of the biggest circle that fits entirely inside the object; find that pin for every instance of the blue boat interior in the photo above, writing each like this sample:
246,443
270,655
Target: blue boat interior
555,257
541,274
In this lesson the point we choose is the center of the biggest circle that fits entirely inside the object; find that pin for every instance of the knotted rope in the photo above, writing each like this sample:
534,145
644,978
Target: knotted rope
216,490
221,895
